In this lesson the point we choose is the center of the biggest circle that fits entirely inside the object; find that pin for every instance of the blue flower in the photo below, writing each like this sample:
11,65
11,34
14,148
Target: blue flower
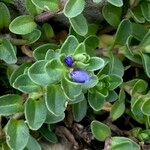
79,76
68,61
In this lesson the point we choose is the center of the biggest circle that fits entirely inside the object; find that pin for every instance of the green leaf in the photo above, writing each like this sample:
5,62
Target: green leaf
79,24
72,32
32,144
52,119
112,96
5,146
35,113
47,30
78,99
145,6
139,31
117,3
31,8
79,110
40,52
38,74
116,66
146,107
10,104
22,25
146,40
100,131
96,100
115,81
123,32
91,43
146,62
112,14
48,135
19,71
80,49
128,52
4,16
97,1
123,141
73,8
139,87
123,146
136,105
17,133
95,63
46,5
54,69
26,85
51,54
8,52
118,107
71,89
32,37
92,29
55,100
137,15
69,45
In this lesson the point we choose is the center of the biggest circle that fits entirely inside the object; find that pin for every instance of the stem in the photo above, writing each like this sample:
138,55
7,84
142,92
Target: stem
45,16
107,144
18,41
13,40
18,115
26,50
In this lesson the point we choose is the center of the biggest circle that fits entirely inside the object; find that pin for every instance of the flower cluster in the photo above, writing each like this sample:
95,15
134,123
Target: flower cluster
77,75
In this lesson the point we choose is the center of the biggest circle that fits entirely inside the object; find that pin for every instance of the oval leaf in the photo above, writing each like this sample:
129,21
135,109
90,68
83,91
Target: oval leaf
100,130
95,63
124,29
69,45
146,62
25,84
22,25
79,110
31,8
38,74
35,113
40,52
5,16
17,133
52,5
33,36
79,24
117,3
10,104
54,69
48,135
32,144
146,107
8,52
74,8
71,89
52,119
55,100
112,14
96,100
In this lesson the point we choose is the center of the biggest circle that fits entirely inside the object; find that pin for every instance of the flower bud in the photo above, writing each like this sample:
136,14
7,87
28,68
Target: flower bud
79,76
68,61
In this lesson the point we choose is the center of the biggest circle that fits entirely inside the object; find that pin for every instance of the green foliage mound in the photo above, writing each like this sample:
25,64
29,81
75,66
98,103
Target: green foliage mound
87,75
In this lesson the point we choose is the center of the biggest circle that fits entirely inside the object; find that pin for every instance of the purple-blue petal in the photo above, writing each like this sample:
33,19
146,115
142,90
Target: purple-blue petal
79,76
68,61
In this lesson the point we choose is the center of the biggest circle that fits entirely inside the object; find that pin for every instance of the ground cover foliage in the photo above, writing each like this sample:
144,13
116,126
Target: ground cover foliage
64,76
